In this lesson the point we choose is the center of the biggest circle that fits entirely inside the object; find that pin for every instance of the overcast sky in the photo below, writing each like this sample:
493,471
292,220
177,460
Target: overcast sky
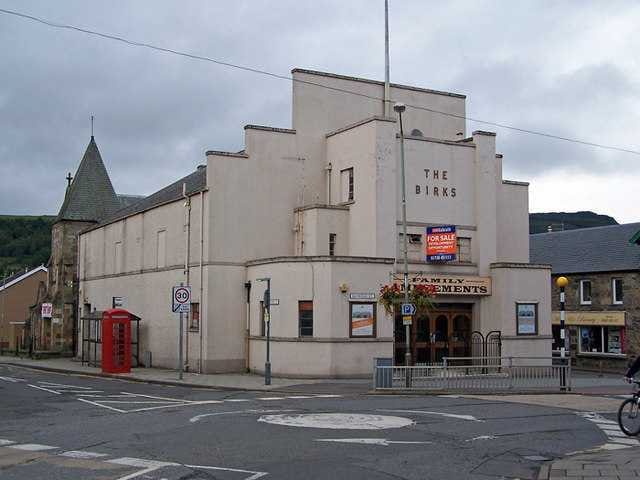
568,68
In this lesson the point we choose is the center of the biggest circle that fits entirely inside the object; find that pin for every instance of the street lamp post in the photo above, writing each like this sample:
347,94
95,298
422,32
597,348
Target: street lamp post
565,346
267,317
399,108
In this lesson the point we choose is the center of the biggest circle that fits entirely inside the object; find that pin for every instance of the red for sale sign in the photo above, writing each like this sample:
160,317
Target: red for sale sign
441,243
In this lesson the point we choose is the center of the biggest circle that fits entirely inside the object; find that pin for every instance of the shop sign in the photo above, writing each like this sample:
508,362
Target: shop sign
441,243
451,285
362,296
590,318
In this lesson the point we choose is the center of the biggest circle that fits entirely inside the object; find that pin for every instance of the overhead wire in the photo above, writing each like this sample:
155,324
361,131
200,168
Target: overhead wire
289,78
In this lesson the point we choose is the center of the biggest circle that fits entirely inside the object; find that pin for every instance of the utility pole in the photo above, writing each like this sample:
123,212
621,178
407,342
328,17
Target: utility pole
387,100
399,108
266,302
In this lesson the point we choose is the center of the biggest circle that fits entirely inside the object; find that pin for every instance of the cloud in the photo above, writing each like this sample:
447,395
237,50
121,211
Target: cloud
546,66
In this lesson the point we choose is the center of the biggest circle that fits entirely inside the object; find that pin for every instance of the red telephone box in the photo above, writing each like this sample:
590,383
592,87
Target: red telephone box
116,341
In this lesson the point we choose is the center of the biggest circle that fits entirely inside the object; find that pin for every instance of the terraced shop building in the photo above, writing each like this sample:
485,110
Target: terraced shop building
603,295
316,209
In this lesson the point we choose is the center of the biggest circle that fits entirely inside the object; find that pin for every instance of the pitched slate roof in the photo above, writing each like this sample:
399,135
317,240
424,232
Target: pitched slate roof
597,249
90,197
195,181
128,200
18,277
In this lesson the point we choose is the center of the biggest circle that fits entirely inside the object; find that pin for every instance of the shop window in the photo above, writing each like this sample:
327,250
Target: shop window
616,291
346,185
305,319
585,292
604,340
463,245
194,318
332,244
362,320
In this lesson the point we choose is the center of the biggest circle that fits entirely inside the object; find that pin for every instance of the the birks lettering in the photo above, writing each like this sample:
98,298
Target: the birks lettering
436,190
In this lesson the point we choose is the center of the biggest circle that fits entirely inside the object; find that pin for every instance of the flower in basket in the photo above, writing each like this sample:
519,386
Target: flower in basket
419,295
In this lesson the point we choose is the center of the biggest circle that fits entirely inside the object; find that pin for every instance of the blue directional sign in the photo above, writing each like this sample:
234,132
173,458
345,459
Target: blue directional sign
408,309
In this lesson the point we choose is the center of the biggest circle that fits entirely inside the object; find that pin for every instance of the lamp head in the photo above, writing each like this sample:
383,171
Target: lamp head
562,282
399,107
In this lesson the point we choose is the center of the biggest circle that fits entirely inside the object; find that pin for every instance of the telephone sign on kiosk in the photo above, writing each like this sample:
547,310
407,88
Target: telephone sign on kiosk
181,299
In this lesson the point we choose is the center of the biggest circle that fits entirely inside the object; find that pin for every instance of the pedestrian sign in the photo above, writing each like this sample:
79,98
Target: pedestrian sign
408,309
181,299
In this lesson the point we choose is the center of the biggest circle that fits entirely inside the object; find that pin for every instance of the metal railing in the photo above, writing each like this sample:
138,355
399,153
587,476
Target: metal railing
474,374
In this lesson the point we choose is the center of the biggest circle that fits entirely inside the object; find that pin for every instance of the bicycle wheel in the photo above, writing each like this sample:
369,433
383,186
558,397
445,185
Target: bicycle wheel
629,417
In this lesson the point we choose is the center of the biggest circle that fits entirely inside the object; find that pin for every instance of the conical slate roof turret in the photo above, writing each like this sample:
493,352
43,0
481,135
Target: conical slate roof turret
90,197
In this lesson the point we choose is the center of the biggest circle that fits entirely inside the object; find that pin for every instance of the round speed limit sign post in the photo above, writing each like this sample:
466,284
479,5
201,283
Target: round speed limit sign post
180,302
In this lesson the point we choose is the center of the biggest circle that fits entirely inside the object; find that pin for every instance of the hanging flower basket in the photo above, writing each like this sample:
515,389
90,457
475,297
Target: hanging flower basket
420,295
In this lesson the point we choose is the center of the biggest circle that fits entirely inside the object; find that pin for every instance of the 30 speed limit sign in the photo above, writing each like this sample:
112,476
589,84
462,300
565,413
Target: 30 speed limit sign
181,299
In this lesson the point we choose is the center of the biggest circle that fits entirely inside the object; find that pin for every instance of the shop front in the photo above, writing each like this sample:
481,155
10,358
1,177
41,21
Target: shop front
597,338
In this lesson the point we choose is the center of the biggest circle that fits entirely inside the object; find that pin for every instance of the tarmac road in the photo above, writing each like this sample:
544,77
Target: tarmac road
57,426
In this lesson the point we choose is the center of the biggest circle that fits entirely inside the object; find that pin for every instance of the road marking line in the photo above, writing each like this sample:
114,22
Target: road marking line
298,397
369,441
12,379
270,398
451,415
255,475
32,447
236,400
80,454
157,398
614,446
4,443
144,402
327,396
199,417
103,406
624,441
141,462
482,437
45,389
63,386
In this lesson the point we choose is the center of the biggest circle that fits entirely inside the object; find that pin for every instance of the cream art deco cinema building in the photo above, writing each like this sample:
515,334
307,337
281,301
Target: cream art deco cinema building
317,209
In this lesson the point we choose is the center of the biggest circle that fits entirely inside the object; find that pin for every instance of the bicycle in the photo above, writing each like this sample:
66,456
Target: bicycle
629,412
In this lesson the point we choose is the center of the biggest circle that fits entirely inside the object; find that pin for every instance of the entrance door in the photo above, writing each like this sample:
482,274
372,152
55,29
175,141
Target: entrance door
443,331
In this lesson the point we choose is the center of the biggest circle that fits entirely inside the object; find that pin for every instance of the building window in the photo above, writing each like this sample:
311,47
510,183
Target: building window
362,319
346,184
463,247
585,292
305,319
527,318
616,291
117,258
263,325
194,318
332,244
161,252
605,340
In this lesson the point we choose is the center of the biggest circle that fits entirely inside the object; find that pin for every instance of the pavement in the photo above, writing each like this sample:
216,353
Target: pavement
218,381
604,465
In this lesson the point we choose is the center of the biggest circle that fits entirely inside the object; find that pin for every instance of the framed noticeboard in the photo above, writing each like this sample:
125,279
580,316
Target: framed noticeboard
362,319
526,318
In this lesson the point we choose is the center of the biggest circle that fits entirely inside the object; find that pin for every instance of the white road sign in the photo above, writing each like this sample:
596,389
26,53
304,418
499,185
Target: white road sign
47,310
181,299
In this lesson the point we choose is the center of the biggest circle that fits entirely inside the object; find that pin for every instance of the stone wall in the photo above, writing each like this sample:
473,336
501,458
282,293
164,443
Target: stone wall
602,300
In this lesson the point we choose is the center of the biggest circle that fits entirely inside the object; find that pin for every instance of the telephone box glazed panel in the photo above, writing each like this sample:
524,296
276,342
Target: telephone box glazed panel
116,341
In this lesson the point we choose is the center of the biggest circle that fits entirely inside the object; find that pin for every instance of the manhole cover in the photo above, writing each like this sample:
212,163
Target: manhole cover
338,421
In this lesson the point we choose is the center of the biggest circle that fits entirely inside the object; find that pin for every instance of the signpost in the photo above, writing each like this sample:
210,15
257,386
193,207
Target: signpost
441,243
180,302
267,302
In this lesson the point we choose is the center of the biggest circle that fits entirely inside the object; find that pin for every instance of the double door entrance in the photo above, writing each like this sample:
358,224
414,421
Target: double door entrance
442,331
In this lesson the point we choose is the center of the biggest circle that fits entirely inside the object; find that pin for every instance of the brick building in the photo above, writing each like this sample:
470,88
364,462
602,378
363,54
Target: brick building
603,295
18,293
